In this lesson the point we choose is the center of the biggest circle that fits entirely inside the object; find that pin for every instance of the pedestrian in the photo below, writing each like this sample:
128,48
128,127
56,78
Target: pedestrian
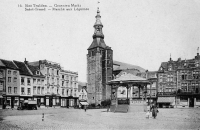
154,111
147,114
108,107
85,108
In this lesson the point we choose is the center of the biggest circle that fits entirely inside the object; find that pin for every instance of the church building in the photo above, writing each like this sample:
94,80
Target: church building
99,66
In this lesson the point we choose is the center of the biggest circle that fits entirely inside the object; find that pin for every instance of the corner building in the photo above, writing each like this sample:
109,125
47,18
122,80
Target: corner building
99,66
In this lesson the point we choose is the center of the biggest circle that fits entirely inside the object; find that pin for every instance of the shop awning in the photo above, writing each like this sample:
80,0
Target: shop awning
84,103
165,99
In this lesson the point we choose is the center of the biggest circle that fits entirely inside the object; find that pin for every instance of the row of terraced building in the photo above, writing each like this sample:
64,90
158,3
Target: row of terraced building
44,81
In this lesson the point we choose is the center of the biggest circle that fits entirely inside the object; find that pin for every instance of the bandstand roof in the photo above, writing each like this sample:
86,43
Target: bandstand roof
129,78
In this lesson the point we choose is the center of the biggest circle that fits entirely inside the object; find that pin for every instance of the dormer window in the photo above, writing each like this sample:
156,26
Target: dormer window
37,72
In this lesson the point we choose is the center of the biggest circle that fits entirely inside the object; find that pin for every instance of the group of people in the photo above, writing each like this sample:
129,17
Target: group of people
153,110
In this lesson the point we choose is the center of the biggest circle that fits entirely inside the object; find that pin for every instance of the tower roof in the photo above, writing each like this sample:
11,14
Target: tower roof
97,42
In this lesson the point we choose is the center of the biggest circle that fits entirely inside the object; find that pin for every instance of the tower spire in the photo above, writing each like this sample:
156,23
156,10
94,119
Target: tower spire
98,26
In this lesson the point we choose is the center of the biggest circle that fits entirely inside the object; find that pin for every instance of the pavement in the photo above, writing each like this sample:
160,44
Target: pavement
98,119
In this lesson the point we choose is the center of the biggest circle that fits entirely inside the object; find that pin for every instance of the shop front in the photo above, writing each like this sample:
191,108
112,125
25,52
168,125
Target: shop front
40,100
12,101
72,101
166,102
53,100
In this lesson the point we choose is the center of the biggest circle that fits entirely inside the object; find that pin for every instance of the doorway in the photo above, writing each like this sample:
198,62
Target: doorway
50,101
12,102
191,102
38,102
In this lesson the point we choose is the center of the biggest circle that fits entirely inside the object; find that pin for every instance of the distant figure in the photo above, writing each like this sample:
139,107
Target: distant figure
85,107
108,107
154,111
147,114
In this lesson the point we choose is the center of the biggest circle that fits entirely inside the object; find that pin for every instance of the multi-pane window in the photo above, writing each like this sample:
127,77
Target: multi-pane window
1,85
184,75
71,93
195,75
9,72
74,92
38,90
42,90
1,73
52,80
42,82
52,71
52,89
15,90
62,83
22,91
57,80
9,89
22,81
47,89
15,79
47,79
34,81
9,79
34,90
28,81
29,91
38,81
15,73
62,91
184,87
62,76
47,70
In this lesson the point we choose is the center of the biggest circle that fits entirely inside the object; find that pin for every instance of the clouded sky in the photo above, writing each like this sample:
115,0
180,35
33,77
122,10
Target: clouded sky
140,32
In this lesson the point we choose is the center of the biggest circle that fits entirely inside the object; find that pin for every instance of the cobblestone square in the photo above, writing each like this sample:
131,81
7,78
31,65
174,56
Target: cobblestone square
98,119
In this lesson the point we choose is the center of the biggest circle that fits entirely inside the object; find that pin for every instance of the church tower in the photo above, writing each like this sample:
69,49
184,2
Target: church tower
99,66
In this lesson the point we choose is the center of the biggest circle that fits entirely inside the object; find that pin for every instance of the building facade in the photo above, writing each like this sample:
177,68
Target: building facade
69,88
10,83
99,66
179,83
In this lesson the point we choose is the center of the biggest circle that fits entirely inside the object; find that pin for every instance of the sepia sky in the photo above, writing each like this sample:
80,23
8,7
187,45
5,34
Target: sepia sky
140,32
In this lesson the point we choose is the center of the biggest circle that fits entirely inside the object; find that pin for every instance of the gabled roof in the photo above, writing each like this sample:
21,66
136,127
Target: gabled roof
23,69
34,70
97,42
1,64
9,64
124,66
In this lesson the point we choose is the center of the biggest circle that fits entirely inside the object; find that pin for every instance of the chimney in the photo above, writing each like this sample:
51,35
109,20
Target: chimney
26,62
